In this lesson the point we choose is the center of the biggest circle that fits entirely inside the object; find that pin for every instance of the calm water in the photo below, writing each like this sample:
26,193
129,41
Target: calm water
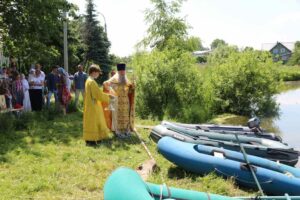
288,123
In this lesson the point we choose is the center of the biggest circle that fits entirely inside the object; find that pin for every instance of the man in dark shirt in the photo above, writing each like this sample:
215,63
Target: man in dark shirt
79,82
51,82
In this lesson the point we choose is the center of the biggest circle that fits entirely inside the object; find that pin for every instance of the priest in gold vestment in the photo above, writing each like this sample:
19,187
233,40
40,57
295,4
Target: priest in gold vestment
123,113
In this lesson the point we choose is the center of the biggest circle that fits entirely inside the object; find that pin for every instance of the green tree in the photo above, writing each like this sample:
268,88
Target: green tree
295,58
194,44
216,43
117,59
32,31
248,49
189,44
96,41
164,24
221,54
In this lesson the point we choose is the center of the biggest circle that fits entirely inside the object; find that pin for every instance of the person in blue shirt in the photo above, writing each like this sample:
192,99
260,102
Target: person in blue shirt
52,80
79,83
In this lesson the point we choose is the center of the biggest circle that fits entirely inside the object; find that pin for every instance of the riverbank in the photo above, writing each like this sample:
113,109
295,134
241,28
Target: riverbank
45,158
49,160
290,85
286,124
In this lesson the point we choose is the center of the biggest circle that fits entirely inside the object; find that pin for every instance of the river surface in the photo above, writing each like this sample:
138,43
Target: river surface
287,125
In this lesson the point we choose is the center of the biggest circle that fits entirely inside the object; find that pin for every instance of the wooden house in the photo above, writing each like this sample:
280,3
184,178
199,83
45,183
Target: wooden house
281,51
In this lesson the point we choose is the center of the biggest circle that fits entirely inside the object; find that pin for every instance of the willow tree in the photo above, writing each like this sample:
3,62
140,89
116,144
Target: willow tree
164,23
169,82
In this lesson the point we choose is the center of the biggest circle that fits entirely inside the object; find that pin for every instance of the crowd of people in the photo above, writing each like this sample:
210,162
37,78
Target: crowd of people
35,91
106,109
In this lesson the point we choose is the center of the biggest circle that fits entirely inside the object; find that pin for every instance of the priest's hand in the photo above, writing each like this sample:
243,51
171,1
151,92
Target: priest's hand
132,85
106,85
111,96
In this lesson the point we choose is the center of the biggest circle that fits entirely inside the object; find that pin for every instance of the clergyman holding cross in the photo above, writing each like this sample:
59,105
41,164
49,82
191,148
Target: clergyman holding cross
123,113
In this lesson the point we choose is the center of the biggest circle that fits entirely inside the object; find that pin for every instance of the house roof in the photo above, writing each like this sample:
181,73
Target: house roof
200,53
269,46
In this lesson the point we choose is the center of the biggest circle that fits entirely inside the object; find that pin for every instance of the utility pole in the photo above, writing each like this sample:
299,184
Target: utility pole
105,28
65,28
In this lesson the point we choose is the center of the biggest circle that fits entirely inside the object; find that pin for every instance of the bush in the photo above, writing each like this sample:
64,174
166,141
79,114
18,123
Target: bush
221,54
244,83
169,85
289,73
295,58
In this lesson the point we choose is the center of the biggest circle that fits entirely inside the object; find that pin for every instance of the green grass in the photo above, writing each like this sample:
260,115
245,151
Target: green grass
47,159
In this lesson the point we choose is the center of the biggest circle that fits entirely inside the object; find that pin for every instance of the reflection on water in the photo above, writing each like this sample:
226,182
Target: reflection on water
266,123
270,125
289,118
290,85
287,124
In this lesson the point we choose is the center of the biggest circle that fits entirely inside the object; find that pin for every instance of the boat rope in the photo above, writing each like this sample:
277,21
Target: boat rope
144,145
208,196
149,191
161,192
152,158
287,196
257,197
250,166
149,154
161,196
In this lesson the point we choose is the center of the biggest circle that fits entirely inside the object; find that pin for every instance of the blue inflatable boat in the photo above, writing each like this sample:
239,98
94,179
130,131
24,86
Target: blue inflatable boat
284,156
192,158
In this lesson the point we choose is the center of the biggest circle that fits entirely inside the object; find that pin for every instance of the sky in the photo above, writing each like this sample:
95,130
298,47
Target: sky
238,22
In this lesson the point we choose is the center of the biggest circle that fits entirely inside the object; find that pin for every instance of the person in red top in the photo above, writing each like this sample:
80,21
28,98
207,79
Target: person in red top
17,92
64,95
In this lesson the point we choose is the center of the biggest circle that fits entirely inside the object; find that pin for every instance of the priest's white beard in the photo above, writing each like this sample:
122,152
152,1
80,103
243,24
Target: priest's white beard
122,79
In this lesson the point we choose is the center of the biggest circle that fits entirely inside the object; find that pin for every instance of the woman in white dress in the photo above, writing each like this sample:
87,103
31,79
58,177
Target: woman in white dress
26,100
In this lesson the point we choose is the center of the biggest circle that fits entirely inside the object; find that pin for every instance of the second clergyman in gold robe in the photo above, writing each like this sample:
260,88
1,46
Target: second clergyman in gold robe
123,114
